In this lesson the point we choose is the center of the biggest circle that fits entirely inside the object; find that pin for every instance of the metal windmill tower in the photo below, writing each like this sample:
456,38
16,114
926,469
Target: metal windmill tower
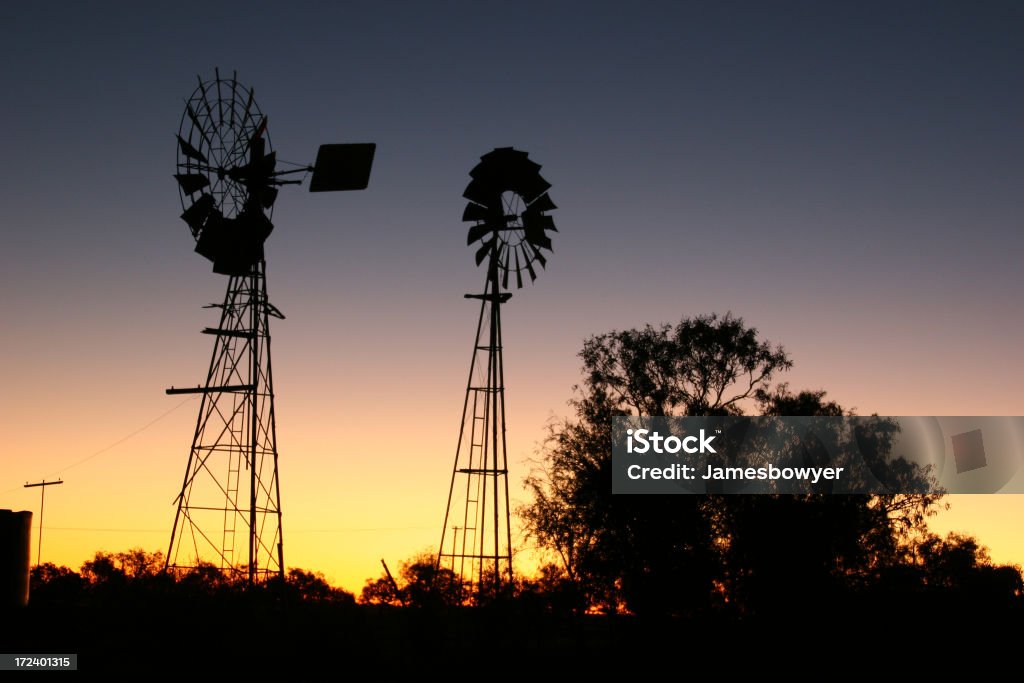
229,508
508,202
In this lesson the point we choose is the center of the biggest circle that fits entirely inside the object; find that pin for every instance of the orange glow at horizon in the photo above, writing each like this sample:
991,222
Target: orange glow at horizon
356,486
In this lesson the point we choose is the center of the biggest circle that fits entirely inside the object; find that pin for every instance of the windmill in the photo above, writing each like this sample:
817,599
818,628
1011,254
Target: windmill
229,507
508,205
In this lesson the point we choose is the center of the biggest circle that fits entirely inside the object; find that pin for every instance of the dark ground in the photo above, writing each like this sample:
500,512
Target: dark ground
258,636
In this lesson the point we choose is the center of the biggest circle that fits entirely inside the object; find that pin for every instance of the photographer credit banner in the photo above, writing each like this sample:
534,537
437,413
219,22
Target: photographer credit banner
826,455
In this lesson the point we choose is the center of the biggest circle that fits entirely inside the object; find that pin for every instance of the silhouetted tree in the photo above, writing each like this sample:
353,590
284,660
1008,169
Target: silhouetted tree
708,365
952,578
948,561
103,570
313,587
135,563
791,552
380,591
420,583
136,578
655,554
686,554
207,579
552,590
780,401
55,585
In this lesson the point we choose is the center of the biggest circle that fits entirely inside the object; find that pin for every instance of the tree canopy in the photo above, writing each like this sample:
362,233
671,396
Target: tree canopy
708,365
688,554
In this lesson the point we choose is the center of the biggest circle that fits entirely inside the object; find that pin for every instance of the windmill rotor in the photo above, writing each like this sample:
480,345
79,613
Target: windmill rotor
228,178
226,174
508,204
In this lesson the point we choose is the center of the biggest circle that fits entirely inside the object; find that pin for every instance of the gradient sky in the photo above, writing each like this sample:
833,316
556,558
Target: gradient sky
845,177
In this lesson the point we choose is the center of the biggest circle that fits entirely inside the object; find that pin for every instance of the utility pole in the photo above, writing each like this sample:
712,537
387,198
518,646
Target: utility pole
42,499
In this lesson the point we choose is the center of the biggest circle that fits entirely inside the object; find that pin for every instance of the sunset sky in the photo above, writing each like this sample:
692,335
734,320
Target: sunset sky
845,177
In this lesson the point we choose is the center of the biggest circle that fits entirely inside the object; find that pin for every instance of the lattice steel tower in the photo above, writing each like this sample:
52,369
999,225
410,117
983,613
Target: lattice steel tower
229,508
508,202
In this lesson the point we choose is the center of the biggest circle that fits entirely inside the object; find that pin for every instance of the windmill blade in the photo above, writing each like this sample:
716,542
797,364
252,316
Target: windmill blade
504,256
542,203
196,125
514,157
478,232
498,155
191,182
268,197
484,171
533,228
220,97
504,278
250,100
255,225
498,152
538,220
533,273
510,158
519,273
234,98
497,177
539,257
481,253
531,187
482,193
190,151
537,237
212,239
195,216
522,166
475,212
527,165
260,130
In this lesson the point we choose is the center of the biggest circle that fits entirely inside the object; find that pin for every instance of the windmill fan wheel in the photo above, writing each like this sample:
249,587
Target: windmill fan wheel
225,174
508,202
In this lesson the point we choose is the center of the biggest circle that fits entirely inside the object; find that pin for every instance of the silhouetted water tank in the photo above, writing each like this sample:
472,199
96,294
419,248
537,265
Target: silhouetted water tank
15,530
